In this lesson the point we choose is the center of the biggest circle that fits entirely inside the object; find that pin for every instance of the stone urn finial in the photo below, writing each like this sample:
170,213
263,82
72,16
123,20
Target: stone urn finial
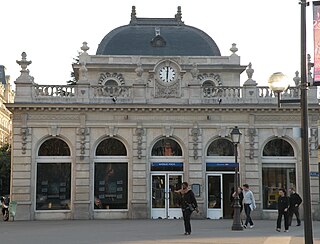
85,47
250,81
24,76
234,48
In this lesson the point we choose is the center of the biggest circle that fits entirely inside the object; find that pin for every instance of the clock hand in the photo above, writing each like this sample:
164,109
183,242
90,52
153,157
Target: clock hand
167,73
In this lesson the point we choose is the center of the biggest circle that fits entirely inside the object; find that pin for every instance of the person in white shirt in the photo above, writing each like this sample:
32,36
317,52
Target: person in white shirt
249,204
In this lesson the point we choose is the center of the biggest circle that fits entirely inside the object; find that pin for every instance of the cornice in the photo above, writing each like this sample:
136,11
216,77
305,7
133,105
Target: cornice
156,108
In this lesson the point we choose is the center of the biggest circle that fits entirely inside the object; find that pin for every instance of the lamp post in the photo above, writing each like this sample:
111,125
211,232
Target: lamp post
308,233
236,135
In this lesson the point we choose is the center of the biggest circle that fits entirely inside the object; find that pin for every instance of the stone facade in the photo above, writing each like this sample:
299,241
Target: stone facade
126,98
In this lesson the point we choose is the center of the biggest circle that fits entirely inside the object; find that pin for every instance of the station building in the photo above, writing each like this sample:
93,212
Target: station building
153,107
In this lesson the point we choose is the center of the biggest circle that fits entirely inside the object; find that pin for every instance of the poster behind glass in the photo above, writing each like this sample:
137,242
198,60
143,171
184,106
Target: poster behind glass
111,186
53,186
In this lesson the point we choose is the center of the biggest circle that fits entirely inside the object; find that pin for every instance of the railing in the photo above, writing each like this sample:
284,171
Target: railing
220,91
102,94
54,91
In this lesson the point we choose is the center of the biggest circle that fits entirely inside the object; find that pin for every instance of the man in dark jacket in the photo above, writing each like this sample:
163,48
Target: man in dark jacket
295,201
283,207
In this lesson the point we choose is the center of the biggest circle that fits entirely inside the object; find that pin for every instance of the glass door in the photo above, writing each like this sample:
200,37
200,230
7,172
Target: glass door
214,196
165,202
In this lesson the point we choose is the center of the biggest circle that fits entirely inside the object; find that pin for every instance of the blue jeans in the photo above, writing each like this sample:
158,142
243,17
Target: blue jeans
247,210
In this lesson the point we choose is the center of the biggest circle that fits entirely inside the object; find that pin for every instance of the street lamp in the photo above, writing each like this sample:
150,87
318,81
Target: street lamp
235,136
308,233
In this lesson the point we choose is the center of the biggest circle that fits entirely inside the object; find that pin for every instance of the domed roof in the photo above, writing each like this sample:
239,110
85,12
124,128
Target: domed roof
158,37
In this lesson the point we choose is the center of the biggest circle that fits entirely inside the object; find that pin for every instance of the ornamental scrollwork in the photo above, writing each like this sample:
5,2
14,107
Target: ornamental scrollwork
24,132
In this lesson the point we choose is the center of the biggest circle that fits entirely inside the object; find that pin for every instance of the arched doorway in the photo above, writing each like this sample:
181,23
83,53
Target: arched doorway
220,168
278,170
166,177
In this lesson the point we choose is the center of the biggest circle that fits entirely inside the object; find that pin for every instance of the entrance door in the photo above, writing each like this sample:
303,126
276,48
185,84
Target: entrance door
214,196
165,202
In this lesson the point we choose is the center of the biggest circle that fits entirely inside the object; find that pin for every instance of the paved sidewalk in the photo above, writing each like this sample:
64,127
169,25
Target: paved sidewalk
146,232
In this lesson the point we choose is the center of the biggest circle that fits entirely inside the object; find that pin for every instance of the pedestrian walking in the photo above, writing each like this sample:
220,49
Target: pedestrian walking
249,204
283,210
294,202
188,205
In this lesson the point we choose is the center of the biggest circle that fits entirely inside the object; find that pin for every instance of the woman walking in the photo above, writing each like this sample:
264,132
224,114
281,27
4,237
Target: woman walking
188,205
283,206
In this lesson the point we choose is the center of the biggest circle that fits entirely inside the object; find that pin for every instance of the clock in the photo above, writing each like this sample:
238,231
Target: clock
167,74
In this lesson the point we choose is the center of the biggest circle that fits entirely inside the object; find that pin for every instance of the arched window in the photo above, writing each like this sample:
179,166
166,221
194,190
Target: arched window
278,148
278,170
54,147
221,147
111,147
53,176
111,175
166,147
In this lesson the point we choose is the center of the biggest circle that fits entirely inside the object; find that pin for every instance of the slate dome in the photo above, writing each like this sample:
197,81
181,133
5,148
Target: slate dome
158,37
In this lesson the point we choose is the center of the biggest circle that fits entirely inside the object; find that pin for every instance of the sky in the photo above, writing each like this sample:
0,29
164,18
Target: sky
267,33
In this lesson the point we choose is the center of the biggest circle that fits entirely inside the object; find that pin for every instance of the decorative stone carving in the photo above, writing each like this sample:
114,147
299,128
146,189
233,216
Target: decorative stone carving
167,91
83,132
313,139
83,72
167,131
85,47
111,76
133,15
251,133
112,131
310,66
195,133
213,77
194,71
234,49
250,81
54,130
139,70
297,79
140,134
24,76
24,132
178,15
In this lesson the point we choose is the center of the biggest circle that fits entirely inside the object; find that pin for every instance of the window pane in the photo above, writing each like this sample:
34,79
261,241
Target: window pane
278,147
221,147
53,186
111,186
166,147
111,147
272,180
54,147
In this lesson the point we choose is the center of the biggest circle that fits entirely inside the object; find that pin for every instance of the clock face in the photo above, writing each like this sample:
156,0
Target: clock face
167,74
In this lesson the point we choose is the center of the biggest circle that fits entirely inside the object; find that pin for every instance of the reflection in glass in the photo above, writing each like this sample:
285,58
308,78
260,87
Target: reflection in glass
53,186
214,191
278,147
111,147
111,185
273,179
158,191
175,183
221,147
54,147
166,147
